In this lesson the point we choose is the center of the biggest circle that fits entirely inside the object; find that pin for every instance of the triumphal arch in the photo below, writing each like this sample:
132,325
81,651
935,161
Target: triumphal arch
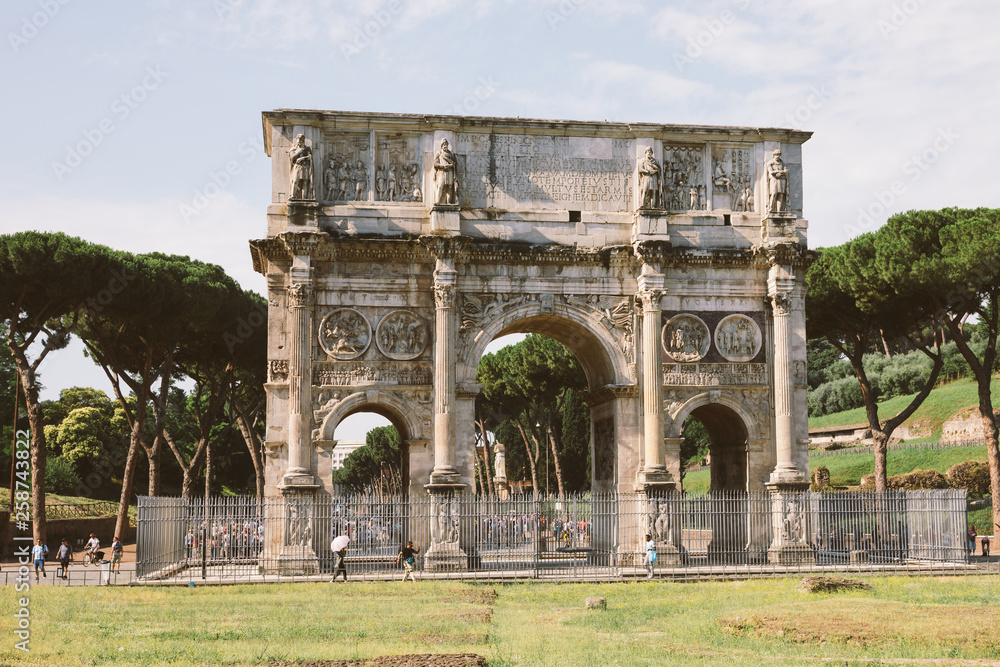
669,258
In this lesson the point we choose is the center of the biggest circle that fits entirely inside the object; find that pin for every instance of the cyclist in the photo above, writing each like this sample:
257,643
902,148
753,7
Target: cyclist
93,545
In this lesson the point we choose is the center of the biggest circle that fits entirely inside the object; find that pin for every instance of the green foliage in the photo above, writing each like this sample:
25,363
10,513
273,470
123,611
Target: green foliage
377,465
696,443
971,475
575,424
60,476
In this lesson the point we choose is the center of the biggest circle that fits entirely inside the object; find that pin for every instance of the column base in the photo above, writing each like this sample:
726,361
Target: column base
791,554
653,480
778,227
445,558
787,479
445,480
298,481
297,561
649,224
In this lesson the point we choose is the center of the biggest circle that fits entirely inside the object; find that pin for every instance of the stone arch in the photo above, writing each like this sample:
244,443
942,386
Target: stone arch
399,411
709,398
593,344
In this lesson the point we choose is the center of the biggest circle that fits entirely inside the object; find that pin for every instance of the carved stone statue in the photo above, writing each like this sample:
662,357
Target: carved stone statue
360,176
500,462
745,201
300,184
693,196
445,166
330,180
777,184
649,181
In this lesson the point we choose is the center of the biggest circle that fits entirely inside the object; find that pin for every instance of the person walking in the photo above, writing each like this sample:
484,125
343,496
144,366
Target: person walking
407,556
65,556
38,553
116,555
650,556
972,540
340,564
985,539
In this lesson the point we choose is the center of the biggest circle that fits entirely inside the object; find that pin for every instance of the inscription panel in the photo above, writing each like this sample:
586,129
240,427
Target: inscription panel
514,171
346,374
713,375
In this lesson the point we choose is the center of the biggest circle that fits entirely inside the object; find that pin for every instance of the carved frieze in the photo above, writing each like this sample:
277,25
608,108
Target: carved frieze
445,526
686,338
401,335
684,178
711,375
604,455
398,176
347,168
738,338
732,178
346,374
345,334
277,370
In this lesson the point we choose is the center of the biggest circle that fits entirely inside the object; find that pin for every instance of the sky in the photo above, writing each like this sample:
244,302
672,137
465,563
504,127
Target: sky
122,117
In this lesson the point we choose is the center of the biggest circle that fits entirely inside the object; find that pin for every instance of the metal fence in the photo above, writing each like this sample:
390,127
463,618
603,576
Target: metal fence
869,449
587,537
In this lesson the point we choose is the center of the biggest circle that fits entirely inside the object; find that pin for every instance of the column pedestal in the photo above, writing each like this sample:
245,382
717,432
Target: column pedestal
649,225
445,219
663,524
445,553
790,525
297,556
303,213
778,228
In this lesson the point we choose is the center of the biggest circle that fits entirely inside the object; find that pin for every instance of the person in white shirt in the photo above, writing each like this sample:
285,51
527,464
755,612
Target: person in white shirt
38,553
93,545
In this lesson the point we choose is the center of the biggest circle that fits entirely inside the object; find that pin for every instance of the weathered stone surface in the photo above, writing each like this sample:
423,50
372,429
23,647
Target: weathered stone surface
596,603
824,584
670,259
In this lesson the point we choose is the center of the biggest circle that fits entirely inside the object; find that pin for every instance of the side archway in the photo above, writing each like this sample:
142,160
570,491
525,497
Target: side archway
399,411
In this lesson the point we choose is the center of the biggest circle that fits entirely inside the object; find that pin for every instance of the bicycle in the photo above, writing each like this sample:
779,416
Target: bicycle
92,557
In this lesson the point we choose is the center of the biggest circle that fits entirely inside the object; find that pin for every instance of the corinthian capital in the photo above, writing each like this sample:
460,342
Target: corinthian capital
444,296
651,298
299,295
782,303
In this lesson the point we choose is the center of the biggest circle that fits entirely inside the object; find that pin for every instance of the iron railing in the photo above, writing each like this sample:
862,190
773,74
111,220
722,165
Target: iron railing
590,536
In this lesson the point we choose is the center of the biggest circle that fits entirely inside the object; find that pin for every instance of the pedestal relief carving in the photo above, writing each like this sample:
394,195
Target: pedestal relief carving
712,375
277,370
604,455
401,335
347,167
345,334
738,338
684,178
346,374
686,338
398,176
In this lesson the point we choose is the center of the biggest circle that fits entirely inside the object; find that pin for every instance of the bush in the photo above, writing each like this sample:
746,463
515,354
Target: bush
821,479
971,475
60,476
919,479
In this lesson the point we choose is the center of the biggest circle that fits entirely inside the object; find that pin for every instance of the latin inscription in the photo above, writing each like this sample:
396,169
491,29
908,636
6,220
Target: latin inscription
516,171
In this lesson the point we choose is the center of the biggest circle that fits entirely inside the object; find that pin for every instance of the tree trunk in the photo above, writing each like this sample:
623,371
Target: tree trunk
550,432
208,472
26,376
881,445
130,464
531,460
243,422
159,423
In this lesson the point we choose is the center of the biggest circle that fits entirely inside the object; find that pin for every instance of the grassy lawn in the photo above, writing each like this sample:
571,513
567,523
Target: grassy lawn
758,622
942,403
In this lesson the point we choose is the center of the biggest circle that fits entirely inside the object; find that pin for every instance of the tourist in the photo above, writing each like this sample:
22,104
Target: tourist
407,556
65,556
189,543
650,555
340,565
985,539
93,545
116,555
38,553
972,540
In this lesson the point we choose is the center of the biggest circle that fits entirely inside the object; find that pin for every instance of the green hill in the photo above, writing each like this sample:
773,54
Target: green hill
942,403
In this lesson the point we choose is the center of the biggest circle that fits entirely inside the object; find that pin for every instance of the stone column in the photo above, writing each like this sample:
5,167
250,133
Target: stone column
444,471
298,472
652,389
788,484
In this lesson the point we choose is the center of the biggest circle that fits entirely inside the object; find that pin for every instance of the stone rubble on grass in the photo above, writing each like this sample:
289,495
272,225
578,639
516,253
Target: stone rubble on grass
823,584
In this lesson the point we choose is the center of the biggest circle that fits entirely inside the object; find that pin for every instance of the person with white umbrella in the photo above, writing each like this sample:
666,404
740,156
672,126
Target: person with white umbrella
339,548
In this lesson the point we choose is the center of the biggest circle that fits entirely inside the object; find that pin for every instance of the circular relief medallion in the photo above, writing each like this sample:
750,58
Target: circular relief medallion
738,338
401,335
686,338
345,334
